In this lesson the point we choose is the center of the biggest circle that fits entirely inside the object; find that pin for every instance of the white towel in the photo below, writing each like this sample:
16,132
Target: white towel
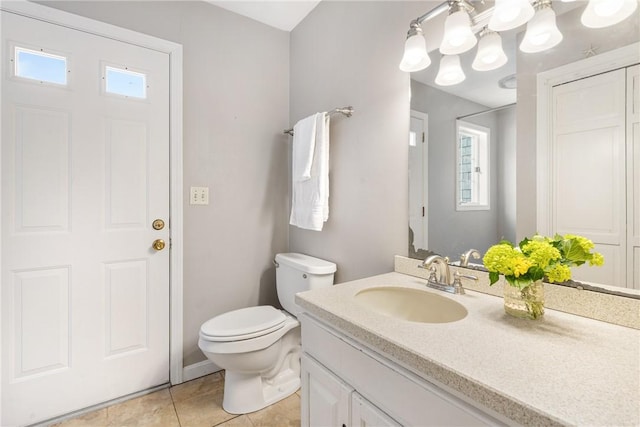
310,196
304,143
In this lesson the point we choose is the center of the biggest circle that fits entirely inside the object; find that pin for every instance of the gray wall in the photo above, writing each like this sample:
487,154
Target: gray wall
347,53
577,39
451,232
236,103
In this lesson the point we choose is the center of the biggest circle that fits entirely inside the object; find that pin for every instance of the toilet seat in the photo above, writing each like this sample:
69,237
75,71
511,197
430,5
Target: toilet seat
243,324
227,345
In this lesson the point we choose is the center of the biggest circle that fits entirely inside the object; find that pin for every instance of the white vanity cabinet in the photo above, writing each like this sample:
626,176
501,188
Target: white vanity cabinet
345,383
366,414
329,401
326,399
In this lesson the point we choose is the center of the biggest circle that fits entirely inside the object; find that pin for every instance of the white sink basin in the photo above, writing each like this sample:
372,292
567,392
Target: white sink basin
410,304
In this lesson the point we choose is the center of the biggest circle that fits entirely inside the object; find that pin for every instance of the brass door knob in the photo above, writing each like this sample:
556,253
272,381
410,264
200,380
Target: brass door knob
158,244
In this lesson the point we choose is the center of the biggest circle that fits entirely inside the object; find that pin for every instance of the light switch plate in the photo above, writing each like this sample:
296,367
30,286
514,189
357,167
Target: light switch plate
199,196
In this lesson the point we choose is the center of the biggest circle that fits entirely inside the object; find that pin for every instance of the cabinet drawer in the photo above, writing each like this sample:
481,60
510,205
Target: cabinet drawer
404,396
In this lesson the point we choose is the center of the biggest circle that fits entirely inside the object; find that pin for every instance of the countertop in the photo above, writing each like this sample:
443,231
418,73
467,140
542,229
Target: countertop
561,370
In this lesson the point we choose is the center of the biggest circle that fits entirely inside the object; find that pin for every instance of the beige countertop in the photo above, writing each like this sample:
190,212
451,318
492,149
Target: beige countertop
561,370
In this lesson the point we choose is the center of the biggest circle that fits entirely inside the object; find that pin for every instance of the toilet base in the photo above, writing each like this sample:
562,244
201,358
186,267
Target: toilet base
244,393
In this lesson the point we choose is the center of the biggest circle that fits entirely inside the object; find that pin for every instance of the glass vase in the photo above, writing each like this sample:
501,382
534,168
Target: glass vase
525,303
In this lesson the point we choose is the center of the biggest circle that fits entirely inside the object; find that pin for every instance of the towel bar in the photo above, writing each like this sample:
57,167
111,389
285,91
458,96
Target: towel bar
347,111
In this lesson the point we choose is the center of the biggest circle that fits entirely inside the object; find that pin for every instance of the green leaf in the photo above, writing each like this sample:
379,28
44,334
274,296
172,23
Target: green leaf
535,273
575,253
494,276
522,282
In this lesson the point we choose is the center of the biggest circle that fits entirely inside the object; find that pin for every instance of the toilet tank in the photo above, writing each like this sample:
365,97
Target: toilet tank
298,272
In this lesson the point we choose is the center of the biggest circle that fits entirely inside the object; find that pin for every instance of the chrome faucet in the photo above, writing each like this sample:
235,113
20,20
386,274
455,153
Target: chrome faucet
443,263
442,282
464,258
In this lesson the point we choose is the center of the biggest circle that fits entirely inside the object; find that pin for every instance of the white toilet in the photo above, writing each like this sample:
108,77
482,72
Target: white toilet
259,347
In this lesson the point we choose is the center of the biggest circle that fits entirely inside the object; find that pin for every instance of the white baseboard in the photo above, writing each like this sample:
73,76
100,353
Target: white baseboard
199,369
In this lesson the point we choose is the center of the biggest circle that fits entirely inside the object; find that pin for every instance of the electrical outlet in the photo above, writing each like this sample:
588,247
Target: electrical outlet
199,196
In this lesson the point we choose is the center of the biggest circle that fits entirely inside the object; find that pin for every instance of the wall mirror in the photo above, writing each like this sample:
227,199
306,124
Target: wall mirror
457,204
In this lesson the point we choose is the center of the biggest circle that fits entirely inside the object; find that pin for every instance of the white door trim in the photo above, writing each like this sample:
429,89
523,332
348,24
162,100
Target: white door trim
546,80
174,50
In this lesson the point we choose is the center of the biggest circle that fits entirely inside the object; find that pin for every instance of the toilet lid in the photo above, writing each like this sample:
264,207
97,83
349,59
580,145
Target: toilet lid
244,323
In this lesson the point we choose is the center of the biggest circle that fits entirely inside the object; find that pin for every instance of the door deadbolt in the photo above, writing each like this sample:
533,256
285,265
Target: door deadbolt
158,224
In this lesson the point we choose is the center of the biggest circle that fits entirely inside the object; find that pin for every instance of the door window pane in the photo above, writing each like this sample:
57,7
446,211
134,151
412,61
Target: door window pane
126,83
40,66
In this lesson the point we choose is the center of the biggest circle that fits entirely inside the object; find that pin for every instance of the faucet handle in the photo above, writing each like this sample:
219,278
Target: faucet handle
432,274
457,283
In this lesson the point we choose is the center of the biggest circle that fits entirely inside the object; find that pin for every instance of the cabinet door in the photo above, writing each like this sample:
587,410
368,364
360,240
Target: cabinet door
365,414
325,399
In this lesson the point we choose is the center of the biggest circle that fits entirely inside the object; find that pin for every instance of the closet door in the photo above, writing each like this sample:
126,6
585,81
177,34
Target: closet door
588,157
633,176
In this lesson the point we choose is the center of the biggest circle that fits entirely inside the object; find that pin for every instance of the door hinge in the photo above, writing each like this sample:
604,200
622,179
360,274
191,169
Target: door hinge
423,137
423,211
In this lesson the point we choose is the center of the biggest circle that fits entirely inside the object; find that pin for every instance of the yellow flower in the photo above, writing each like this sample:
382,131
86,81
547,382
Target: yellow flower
559,273
538,257
541,253
520,265
597,259
505,259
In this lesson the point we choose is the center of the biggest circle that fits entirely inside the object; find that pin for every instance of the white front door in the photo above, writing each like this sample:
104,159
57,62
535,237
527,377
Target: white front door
588,152
85,172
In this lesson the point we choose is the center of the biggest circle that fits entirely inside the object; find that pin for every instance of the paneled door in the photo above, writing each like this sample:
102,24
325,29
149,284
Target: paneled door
85,205
588,152
418,165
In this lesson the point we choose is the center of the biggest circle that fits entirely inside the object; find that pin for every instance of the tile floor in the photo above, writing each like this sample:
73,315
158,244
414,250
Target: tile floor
196,403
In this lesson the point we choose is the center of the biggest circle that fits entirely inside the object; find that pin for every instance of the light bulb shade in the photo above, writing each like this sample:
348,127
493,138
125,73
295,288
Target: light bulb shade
542,32
604,13
450,72
509,14
458,37
415,56
490,54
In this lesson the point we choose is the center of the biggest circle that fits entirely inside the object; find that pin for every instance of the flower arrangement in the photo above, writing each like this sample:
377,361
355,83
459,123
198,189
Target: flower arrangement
524,266
539,257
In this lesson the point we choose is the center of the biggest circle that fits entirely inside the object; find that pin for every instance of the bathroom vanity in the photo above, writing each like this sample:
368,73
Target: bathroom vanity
362,367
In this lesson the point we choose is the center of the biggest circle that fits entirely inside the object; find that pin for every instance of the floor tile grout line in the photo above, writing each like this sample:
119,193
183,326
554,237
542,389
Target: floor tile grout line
173,402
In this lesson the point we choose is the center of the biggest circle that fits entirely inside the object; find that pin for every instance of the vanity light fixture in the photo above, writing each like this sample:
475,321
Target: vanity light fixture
509,14
542,32
458,37
604,13
415,56
490,53
450,72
